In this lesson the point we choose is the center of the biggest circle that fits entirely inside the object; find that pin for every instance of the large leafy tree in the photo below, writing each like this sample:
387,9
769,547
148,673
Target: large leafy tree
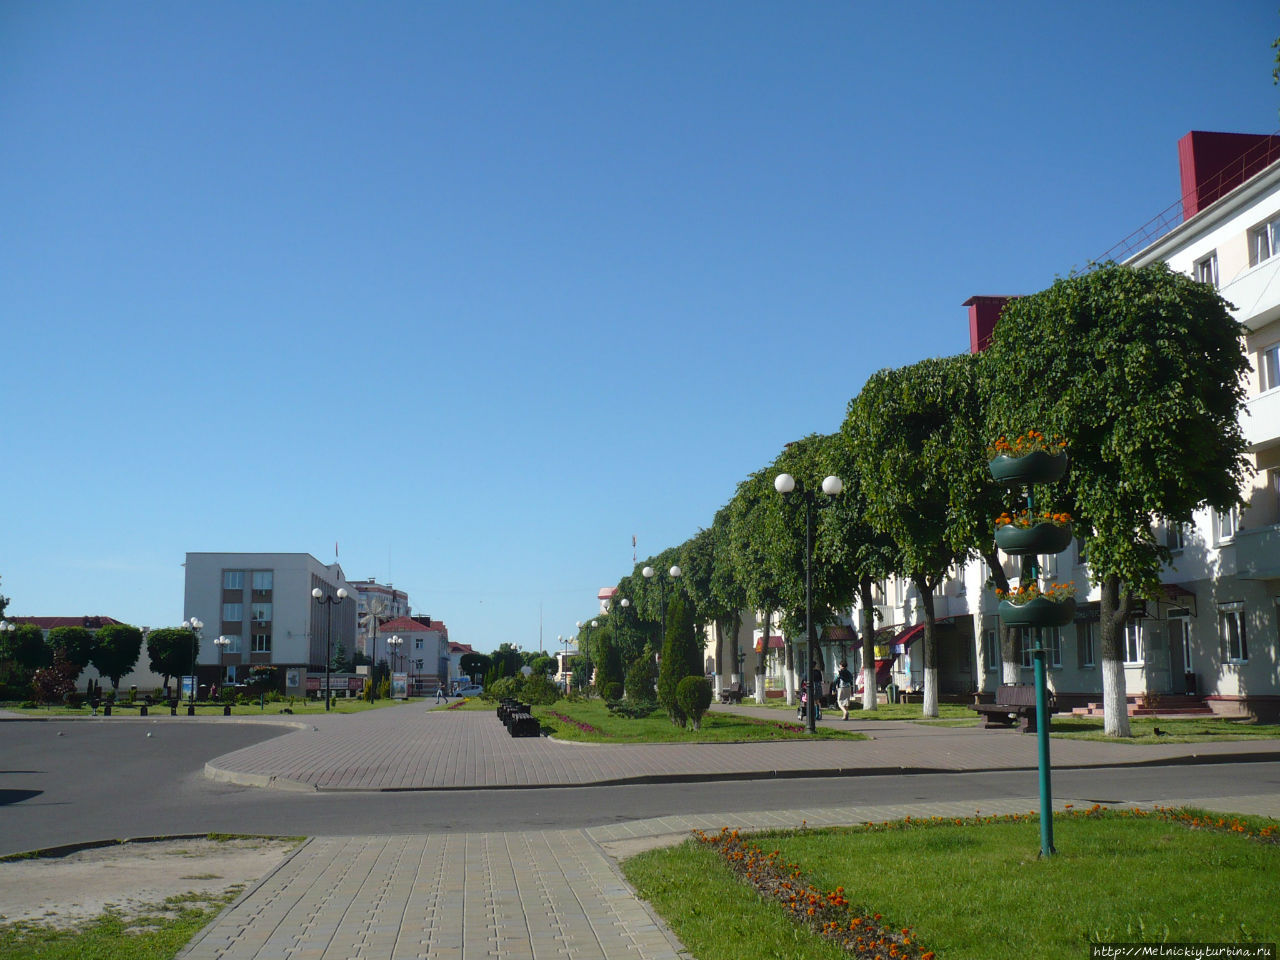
116,651
171,651
726,597
474,665
748,538
76,644
26,647
905,434
1140,371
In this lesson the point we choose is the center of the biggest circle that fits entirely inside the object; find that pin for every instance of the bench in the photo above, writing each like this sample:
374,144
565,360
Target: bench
732,693
518,718
1013,702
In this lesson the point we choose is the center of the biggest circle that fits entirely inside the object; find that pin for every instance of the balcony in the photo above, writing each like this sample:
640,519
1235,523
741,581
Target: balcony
1255,294
1258,553
1261,424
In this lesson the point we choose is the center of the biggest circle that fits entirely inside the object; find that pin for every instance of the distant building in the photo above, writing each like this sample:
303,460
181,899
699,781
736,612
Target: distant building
423,652
261,604
141,675
376,603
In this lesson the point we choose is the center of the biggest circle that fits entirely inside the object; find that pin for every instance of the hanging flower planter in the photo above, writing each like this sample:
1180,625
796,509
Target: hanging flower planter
1026,532
1037,613
1030,458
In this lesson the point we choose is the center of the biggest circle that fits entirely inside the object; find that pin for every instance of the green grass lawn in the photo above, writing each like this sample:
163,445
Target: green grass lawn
156,935
980,891
299,707
716,727
883,711
1190,730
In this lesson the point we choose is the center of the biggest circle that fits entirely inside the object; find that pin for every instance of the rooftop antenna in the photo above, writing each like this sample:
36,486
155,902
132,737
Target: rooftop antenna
539,626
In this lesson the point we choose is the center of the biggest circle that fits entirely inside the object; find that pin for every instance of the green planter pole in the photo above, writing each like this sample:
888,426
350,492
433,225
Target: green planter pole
1042,715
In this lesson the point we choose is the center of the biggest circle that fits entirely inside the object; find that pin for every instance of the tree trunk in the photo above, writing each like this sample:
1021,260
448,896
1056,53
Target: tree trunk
930,650
789,672
760,661
868,645
1010,667
1114,606
718,659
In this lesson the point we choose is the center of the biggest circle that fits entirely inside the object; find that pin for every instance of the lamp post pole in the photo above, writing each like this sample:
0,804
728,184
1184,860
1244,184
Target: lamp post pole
194,626
393,644
649,574
221,642
784,483
328,601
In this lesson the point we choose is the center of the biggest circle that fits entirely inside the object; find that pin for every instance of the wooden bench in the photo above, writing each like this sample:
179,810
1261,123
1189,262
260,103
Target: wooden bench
732,693
1013,702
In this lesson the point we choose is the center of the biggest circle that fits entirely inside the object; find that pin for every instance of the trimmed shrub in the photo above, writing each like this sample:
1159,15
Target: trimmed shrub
693,694
538,688
639,684
499,688
611,691
678,651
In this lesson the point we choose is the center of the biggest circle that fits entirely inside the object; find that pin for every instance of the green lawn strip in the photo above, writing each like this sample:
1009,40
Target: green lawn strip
155,935
883,711
203,709
980,891
716,727
1188,730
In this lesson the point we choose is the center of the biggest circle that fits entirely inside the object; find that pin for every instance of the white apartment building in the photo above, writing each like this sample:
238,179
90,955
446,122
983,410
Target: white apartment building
262,606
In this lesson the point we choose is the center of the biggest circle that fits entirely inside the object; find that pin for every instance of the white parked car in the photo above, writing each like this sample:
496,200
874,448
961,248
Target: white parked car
471,690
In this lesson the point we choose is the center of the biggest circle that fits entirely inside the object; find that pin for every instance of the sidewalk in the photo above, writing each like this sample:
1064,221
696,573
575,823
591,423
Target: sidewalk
541,895
414,748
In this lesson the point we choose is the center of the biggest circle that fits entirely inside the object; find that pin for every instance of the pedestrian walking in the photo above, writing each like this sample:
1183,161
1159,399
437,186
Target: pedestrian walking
441,695
844,689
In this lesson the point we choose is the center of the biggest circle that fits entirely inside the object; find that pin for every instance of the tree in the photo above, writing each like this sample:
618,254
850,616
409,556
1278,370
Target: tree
726,596
52,684
607,657
474,665
693,694
116,651
543,664
171,651
25,646
681,657
506,660
639,683
1140,371
905,434
340,664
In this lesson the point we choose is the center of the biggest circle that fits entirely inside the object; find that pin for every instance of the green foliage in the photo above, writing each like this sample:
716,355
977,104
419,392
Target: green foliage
474,665
608,659
640,677
76,644
693,694
384,688
25,646
543,665
681,657
340,663
538,688
116,651
611,691
171,651
1140,371
500,688
507,661
630,709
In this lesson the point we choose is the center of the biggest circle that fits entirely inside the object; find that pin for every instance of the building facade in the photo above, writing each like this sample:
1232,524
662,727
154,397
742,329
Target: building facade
261,606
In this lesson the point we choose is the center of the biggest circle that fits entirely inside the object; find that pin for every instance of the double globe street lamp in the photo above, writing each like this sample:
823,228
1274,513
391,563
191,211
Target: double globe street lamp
785,484
327,601
195,626
648,573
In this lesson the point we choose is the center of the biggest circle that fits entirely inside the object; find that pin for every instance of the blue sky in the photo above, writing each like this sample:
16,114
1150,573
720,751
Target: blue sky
480,290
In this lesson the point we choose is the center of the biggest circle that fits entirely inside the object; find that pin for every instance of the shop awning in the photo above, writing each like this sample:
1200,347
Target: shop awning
839,633
775,643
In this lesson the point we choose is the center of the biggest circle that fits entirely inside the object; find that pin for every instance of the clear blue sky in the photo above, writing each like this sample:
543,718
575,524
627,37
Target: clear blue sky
480,290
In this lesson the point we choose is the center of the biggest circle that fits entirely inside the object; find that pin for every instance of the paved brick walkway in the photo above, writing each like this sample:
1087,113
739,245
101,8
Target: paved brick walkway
414,748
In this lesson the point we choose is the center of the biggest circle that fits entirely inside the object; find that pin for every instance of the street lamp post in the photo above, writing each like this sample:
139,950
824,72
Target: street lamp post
222,643
327,601
393,644
649,573
785,483
194,626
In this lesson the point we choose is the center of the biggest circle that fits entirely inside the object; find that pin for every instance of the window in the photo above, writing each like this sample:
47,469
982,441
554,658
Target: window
1081,548
991,649
1022,644
1231,630
262,613
233,646
1264,241
262,579
232,579
417,643
1175,537
233,612
261,643
1052,639
1086,636
1180,636
1269,367
1133,642
1207,270
1226,524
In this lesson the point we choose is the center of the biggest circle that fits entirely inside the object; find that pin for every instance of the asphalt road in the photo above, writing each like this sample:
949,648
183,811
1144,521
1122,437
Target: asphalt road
69,782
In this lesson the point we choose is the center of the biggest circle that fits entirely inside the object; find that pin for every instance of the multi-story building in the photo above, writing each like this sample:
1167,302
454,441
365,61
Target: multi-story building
419,648
261,605
1214,633
376,603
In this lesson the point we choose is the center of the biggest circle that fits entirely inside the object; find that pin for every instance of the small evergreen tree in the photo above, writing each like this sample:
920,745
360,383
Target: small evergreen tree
679,658
693,694
639,685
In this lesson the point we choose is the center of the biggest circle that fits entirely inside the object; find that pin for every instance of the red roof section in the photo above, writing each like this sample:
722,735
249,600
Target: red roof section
409,625
49,623
606,593
460,647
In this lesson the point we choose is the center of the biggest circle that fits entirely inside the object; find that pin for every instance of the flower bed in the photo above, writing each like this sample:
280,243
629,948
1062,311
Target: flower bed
584,727
829,914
